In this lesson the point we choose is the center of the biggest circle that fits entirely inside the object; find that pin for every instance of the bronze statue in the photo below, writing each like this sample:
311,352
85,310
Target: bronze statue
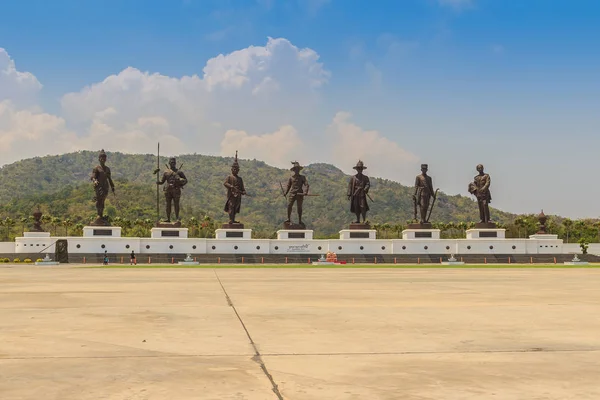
480,188
101,177
297,187
423,194
235,190
358,190
175,180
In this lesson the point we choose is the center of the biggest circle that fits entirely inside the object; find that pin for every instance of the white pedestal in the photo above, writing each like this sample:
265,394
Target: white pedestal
576,263
486,233
295,234
543,236
36,234
363,234
233,234
101,231
169,233
188,263
421,234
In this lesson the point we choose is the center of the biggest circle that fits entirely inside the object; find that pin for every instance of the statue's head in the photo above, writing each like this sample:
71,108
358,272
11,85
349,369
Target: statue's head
296,167
172,162
480,168
360,166
424,168
102,156
235,167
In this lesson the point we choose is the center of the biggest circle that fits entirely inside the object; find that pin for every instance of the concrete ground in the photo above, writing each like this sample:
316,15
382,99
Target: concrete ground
80,333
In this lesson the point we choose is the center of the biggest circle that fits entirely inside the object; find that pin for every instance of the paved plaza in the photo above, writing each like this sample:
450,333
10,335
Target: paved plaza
299,334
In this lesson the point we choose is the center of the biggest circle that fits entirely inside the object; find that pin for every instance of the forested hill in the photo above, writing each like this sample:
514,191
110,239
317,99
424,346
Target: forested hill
61,186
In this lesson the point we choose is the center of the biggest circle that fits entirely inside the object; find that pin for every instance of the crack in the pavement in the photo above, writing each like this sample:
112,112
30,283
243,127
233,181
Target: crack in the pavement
257,358
374,353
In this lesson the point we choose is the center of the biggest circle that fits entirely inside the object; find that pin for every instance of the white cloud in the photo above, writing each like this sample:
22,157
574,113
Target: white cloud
25,133
277,148
384,157
19,87
258,88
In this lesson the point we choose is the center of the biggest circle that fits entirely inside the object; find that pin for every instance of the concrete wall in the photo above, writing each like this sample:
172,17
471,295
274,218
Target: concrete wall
399,247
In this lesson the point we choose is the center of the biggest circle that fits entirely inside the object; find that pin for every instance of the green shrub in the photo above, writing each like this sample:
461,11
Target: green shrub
27,260
39,260
6,260
17,260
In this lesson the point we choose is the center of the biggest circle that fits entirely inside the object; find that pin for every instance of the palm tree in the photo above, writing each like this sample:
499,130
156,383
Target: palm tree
67,223
24,221
78,229
568,224
55,221
8,223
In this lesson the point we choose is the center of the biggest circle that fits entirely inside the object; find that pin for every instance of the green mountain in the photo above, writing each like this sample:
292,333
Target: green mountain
61,186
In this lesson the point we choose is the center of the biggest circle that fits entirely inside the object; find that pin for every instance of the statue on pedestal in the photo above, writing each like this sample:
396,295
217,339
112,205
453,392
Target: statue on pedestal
37,220
175,180
297,187
423,194
480,188
101,177
358,190
235,191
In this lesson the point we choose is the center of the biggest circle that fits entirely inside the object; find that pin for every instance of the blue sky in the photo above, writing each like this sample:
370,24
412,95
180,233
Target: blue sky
514,85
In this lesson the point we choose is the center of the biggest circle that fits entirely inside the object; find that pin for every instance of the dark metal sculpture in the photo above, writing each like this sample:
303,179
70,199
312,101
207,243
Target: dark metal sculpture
175,181
101,177
542,218
297,188
423,195
37,220
358,191
235,191
480,188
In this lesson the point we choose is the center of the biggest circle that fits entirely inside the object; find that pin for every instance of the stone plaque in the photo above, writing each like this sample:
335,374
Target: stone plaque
169,233
359,235
296,235
423,235
234,234
102,232
488,234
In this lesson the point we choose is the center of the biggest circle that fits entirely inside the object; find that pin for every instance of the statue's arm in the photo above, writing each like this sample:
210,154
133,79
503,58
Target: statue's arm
163,179
242,188
367,185
182,179
486,185
307,185
109,177
350,187
289,186
417,184
227,184
94,176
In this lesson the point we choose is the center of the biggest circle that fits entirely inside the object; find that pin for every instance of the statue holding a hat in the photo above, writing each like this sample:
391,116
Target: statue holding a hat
480,188
358,190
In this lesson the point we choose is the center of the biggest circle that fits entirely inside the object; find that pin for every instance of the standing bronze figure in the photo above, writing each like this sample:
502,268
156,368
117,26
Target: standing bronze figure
423,194
235,190
297,187
358,190
175,180
101,177
480,188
